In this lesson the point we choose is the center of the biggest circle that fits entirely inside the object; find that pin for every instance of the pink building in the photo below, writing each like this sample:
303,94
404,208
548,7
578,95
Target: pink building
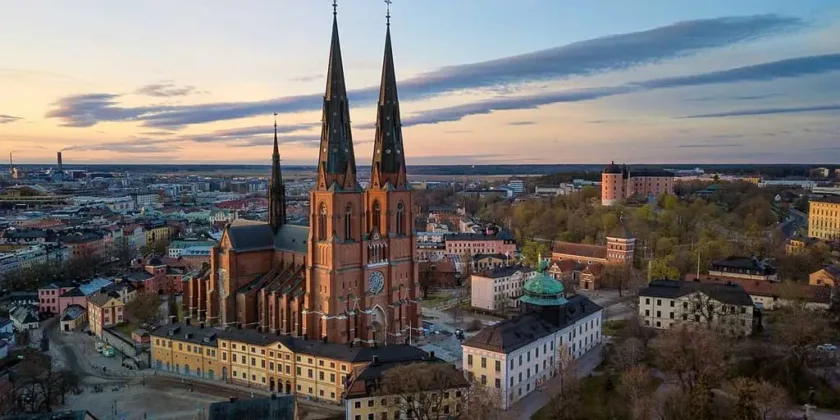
49,296
619,183
479,243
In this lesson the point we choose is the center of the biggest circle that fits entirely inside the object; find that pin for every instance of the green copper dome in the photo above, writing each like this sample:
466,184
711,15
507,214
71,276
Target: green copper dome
543,290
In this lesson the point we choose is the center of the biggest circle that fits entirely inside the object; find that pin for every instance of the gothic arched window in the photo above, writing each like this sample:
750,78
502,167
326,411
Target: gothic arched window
377,215
322,222
400,219
348,224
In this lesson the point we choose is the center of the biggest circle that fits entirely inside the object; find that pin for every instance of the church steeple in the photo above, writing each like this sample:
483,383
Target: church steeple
388,167
336,162
276,188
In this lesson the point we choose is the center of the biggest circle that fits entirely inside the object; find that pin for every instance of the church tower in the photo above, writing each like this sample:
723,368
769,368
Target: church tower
334,267
390,269
276,189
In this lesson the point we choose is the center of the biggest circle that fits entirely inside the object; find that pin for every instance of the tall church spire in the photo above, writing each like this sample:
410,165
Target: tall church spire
276,188
336,161
388,166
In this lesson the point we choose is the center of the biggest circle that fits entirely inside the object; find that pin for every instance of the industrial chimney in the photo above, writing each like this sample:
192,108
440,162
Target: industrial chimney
59,160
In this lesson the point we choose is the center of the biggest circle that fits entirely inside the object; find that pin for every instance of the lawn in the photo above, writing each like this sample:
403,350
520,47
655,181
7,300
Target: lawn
434,300
126,328
600,399
611,328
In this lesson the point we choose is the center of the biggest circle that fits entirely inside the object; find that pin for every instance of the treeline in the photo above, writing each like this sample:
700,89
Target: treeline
738,219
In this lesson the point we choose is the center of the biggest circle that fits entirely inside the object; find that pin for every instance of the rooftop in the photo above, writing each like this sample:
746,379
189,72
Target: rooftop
729,293
271,408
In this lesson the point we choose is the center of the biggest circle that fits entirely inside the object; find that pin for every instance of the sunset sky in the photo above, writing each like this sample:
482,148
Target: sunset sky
481,82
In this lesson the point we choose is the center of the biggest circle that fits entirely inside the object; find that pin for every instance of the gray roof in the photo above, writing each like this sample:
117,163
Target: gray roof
731,293
506,271
517,332
272,408
23,315
250,235
292,238
206,336
55,415
4,321
72,312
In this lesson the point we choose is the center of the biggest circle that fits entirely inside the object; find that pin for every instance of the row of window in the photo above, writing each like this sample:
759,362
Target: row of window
376,217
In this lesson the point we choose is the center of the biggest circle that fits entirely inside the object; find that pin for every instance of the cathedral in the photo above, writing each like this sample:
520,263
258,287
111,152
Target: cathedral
351,276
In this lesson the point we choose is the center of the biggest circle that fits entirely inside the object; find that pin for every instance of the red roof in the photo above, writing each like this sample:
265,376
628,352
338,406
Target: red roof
580,250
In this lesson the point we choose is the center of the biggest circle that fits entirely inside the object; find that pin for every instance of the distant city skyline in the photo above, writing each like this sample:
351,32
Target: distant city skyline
543,82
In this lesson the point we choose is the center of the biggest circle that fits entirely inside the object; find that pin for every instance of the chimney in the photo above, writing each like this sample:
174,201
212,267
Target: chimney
59,160
187,320
173,319
375,360
432,355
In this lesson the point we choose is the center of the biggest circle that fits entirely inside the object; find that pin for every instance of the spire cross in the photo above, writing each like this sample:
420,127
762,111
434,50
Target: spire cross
275,123
335,7
388,14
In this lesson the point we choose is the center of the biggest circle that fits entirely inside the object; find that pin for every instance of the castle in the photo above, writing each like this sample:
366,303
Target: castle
619,183
351,275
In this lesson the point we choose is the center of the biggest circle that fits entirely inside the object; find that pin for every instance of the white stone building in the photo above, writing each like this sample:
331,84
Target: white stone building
500,287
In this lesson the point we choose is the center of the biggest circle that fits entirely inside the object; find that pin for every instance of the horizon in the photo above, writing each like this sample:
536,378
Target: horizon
752,83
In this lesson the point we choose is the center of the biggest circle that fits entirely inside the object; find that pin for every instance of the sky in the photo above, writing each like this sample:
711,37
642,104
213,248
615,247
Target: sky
489,82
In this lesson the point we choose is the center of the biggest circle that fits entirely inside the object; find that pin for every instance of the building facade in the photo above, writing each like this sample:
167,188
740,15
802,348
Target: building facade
620,182
723,307
499,288
824,218
513,357
104,311
350,276
747,268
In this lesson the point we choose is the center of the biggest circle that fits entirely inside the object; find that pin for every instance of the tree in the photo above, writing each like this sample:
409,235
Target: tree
636,386
800,330
172,305
482,403
123,253
628,353
144,309
422,389
39,384
698,357
567,400
620,276
427,277
714,314
662,268
532,250
757,399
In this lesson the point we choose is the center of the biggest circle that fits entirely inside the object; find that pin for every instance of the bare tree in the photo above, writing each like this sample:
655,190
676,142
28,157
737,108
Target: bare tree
620,276
145,308
800,331
628,353
427,277
567,399
757,399
698,357
715,315
427,391
40,384
482,403
637,386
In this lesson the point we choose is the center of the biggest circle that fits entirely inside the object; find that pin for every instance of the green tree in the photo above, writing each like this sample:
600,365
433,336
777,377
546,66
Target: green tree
663,268
145,308
531,251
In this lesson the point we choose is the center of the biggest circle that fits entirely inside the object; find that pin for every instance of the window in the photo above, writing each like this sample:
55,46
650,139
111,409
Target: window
469,360
672,303
498,366
483,362
658,302
647,301
376,216
498,383
484,379
322,222
400,219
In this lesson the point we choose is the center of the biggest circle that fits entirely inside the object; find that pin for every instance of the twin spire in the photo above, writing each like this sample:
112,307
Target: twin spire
336,161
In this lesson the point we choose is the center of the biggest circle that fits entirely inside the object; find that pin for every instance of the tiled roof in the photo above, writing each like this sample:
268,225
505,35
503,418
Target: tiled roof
580,250
744,263
250,235
100,299
500,272
833,270
72,312
730,293
372,373
292,238
817,294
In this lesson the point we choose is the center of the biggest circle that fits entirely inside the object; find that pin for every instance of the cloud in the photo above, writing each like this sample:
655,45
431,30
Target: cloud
307,78
8,119
788,68
244,133
516,123
129,147
166,89
768,111
733,98
708,145
157,133
300,139
599,55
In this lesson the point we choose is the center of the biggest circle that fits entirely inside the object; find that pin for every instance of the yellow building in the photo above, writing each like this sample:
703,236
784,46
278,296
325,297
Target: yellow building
796,245
104,310
826,276
824,218
158,233
276,363
430,386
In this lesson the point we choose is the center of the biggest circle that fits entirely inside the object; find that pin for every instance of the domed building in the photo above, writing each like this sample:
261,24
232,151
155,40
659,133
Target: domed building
525,351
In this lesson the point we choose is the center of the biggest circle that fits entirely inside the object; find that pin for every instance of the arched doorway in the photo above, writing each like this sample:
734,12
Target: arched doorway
224,373
210,374
288,387
380,325
271,384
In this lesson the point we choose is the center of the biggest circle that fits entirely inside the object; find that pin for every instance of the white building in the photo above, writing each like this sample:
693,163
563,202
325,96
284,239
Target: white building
724,307
515,356
499,288
24,318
